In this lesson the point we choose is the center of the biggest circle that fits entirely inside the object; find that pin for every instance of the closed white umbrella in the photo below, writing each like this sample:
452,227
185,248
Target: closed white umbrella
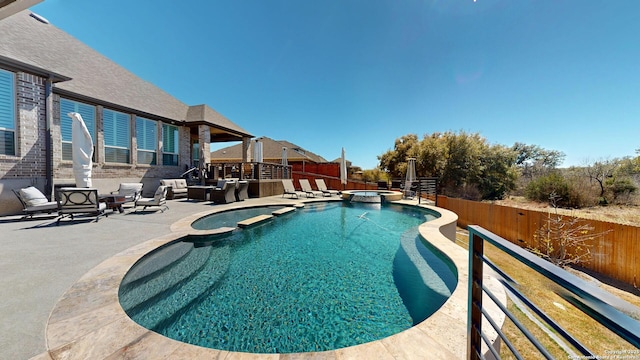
257,152
343,169
82,150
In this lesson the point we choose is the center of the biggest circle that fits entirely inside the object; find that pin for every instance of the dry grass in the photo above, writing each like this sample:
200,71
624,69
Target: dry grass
627,215
540,290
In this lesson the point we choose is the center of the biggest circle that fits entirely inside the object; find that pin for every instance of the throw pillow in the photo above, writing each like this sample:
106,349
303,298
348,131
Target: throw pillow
32,196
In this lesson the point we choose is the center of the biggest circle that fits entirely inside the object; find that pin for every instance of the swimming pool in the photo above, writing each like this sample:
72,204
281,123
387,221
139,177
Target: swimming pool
231,218
330,276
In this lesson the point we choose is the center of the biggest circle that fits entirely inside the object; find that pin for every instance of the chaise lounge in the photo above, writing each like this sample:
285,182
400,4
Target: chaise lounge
323,187
33,202
306,187
289,189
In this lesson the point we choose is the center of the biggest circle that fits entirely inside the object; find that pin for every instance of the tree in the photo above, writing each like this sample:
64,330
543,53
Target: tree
598,173
465,163
395,161
374,175
534,161
564,241
498,175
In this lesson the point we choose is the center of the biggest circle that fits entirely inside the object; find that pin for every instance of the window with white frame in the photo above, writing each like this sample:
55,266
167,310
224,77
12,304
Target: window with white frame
117,136
88,113
7,113
147,139
170,136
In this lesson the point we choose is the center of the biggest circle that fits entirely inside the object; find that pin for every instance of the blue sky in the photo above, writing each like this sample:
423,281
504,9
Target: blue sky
564,75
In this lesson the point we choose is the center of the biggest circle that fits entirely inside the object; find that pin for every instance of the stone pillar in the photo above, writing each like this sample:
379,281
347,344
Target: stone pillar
246,141
204,139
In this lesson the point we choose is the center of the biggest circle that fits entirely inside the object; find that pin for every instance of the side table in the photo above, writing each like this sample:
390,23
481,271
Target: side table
199,192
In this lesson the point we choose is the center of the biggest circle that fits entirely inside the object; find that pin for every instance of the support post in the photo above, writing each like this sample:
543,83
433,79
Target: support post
474,323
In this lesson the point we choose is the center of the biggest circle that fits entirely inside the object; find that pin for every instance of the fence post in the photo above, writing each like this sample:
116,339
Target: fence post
474,322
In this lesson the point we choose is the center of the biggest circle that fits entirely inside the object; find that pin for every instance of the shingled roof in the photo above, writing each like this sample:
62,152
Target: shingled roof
28,41
271,152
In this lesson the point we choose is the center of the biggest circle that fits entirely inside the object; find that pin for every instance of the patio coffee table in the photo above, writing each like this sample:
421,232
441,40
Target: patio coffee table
114,202
199,192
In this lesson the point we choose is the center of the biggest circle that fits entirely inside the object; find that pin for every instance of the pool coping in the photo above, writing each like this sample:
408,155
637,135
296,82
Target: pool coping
88,321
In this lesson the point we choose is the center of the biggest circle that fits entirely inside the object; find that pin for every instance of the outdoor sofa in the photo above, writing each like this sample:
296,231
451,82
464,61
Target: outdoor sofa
175,187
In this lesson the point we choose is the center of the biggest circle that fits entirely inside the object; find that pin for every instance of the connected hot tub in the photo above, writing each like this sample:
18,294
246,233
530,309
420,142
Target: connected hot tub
371,196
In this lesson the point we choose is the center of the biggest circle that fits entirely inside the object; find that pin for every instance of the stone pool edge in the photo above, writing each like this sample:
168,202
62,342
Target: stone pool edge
88,321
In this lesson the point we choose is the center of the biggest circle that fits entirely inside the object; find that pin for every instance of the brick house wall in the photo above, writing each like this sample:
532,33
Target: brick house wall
28,166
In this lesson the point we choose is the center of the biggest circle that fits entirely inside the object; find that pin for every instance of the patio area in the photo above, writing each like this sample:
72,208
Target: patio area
40,262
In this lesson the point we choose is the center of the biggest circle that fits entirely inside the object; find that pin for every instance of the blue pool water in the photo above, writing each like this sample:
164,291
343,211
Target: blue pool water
231,218
328,276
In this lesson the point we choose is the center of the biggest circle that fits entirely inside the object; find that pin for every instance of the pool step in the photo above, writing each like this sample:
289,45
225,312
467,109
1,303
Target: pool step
164,308
283,211
136,294
225,230
254,220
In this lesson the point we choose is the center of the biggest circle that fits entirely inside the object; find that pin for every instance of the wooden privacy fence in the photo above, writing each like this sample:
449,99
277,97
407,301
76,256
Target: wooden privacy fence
616,253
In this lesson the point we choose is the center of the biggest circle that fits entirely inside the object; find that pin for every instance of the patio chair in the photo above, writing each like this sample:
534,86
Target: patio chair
159,199
306,187
242,190
33,202
130,191
289,189
323,187
224,194
74,201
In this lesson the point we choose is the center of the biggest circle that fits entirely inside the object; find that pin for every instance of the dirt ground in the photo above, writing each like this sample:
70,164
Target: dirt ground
628,215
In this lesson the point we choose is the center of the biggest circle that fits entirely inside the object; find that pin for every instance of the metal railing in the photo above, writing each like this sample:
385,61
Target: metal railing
602,306
249,171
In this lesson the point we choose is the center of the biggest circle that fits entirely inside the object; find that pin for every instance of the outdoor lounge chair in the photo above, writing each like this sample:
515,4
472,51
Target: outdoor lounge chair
74,201
306,187
159,199
242,190
323,187
224,194
33,202
130,191
289,189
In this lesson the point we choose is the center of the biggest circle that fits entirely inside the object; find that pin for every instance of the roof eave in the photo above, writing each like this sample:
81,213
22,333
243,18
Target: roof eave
53,76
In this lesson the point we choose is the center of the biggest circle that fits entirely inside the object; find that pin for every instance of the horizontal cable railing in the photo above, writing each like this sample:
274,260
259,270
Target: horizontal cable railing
607,309
249,171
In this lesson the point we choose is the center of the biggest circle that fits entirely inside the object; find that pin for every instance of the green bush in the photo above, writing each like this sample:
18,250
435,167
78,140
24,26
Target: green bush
566,196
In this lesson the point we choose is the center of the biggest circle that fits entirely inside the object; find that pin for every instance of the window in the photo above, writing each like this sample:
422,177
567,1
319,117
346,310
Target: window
147,136
117,136
170,135
7,113
88,114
